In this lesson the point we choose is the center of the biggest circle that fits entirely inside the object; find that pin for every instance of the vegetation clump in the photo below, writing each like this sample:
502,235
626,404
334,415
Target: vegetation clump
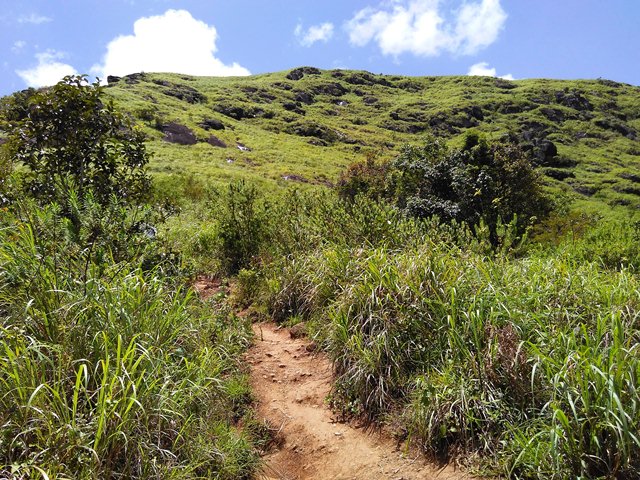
71,138
481,182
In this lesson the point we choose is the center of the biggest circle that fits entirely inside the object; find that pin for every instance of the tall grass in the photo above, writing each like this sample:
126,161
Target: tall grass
523,354
111,369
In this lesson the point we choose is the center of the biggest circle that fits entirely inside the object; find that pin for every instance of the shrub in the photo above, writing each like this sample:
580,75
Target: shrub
72,140
492,183
480,182
243,220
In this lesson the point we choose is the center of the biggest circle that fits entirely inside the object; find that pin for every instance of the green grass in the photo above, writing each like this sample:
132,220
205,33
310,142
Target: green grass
520,361
112,369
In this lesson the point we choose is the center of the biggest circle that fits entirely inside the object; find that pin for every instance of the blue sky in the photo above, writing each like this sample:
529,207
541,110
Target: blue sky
42,40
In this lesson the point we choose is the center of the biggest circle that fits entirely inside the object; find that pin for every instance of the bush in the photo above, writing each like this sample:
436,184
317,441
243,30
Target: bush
70,139
492,183
243,221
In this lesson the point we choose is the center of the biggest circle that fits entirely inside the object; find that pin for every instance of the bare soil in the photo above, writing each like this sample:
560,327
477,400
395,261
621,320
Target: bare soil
291,383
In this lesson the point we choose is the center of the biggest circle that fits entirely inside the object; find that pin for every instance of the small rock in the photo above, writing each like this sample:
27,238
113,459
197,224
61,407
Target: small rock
216,142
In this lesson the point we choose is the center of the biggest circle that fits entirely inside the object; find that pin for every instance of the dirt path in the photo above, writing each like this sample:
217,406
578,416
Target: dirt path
291,384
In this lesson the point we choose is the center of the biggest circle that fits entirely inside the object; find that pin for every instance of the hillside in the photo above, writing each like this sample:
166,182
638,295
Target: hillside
305,125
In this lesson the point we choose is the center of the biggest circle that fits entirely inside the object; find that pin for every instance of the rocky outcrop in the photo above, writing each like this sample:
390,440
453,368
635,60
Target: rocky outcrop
304,97
180,134
216,142
299,73
332,89
181,92
238,113
573,99
617,126
212,124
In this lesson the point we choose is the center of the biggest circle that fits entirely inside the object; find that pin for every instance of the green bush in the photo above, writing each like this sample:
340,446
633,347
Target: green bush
73,140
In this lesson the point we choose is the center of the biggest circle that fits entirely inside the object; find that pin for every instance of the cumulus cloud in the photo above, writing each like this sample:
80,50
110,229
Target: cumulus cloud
425,28
172,42
483,69
33,19
49,71
316,33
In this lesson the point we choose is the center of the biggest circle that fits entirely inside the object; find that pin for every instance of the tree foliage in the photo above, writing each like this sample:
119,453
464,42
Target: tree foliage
480,182
71,139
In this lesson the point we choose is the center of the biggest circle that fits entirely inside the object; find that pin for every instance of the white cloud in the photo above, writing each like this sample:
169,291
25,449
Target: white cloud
49,70
425,28
18,46
316,33
172,42
34,19
483,69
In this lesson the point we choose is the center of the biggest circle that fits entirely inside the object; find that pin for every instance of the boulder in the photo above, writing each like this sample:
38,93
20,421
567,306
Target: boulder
628,189
586,190
618,127
558,173
573,99
134,78
282,85
311,129
304,97
293,107
111,79
212,124
366,78
553,114
216,142
630,176
180,134
238,113
332,89
298,73
185,93
505,84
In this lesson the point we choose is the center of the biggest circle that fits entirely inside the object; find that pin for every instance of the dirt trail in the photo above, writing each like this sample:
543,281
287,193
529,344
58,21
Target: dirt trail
291,383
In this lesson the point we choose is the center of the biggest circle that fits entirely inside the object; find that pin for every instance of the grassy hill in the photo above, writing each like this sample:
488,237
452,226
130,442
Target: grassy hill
305,125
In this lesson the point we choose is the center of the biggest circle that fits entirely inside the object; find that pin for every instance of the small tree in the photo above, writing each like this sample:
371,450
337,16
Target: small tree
70,139
482,181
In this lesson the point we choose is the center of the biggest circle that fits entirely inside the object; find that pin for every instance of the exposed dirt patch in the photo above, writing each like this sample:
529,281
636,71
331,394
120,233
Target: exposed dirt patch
291,382
209,286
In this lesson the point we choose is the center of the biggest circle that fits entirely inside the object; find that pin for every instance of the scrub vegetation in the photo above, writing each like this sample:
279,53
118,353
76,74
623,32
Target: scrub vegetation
465,249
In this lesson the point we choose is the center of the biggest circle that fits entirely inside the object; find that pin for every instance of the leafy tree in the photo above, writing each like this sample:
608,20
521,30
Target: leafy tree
71,139
480,182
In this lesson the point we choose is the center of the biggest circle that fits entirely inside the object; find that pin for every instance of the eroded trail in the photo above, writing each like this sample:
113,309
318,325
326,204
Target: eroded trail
291,383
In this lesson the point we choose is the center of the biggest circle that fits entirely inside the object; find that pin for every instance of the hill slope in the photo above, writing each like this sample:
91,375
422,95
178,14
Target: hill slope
306,125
